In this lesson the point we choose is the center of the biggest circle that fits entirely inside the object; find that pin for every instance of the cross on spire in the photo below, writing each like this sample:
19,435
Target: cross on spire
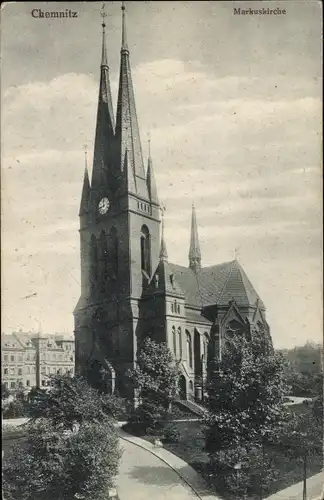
124,37
103,14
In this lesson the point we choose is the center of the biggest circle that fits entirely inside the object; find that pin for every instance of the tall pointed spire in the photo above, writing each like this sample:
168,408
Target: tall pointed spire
194,250
104,139
163,250
127,130
150,178
86,186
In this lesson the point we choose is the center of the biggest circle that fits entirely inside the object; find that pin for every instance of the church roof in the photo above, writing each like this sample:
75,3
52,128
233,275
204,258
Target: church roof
216,285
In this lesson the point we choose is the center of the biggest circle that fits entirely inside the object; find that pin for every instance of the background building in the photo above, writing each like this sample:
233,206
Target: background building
27,359
129,290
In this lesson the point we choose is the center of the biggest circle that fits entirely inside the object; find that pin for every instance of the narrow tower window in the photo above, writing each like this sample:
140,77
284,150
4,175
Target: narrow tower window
174,339
206,343
145,250
189,349
180,342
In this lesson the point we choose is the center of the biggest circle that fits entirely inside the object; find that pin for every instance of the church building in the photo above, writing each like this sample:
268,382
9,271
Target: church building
129,289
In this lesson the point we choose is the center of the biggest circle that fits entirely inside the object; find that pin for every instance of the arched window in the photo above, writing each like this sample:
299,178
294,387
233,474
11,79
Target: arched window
189,349
145,250
174,340
206,342
190,386
180,342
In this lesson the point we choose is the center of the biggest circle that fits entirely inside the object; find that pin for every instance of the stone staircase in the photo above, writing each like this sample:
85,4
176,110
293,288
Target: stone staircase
193,407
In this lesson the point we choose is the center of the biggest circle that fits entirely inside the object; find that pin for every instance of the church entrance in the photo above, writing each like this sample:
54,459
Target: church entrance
182,387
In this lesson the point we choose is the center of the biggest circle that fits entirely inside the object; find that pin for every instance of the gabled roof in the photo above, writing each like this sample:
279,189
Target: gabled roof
164,281
216,285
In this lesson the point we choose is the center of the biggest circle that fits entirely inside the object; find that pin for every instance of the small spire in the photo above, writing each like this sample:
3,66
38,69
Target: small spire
86,185
163,250
104,60
150,177
149,144
194,250
85,158
104,136
124,36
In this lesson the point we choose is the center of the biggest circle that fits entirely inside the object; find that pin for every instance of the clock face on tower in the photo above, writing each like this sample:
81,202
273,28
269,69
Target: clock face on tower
103,206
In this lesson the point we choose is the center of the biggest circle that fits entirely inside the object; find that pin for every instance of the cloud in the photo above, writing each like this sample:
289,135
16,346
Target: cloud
62,107
246,150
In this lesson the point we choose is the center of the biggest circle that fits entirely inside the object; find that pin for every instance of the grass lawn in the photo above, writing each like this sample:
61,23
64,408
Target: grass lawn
190,448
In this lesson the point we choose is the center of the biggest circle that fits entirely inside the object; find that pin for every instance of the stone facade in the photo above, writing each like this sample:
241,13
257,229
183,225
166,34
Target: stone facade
27,359
129,289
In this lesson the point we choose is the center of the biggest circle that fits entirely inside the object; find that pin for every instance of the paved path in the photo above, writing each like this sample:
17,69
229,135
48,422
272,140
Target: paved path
295,492
147,472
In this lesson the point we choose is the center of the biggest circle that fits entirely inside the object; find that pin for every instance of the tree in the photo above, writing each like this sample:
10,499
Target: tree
156,381
246,391
71,445
156,376
72,401
4,392
59,465
303,368
17,407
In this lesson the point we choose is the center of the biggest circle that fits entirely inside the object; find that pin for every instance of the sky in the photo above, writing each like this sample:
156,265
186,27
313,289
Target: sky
233,107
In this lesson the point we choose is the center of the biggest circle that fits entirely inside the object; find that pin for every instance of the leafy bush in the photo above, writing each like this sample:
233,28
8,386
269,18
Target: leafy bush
241,471
14,409
71,446
156,375
4,392
146,419
171,434
56,465
72,401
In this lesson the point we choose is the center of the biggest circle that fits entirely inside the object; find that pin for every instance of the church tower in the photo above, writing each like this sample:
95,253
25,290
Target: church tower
119,234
